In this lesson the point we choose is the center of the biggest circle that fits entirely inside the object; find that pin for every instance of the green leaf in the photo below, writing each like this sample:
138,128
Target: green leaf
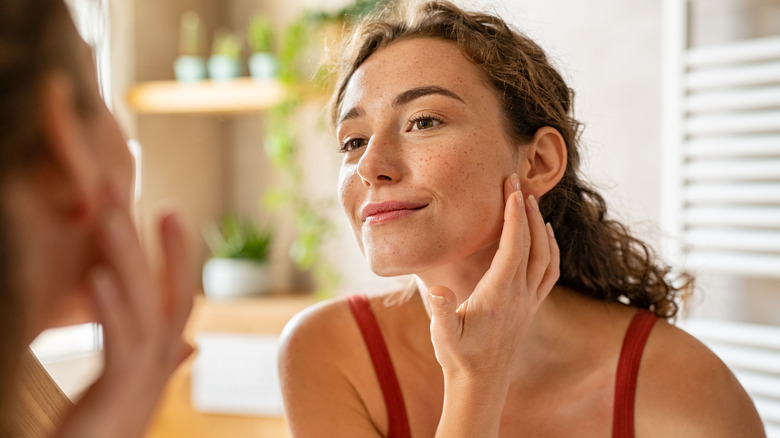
275,198
236,237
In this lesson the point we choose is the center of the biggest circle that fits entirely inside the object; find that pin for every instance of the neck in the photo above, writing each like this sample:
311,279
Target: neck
461,276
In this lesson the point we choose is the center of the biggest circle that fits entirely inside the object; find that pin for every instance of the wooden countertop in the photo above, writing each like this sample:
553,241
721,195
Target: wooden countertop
175,416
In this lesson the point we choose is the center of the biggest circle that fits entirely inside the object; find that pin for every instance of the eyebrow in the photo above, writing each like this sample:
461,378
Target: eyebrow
404,98
416,93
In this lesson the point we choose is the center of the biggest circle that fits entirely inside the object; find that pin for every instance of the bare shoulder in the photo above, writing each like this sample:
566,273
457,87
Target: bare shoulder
684,389
318,330
325,373
321,351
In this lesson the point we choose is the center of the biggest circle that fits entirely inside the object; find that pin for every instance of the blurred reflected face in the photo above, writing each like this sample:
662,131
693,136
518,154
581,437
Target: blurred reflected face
425,156
114,166
103,134
111,165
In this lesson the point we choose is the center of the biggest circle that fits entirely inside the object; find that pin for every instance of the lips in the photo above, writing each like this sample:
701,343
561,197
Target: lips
386,211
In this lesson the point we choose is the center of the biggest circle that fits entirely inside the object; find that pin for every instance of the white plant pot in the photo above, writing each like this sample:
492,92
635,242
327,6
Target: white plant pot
234,278
189,68
262,65
223,68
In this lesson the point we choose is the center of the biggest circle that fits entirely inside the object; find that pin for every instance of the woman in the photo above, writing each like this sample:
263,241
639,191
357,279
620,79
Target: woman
458,146
69,248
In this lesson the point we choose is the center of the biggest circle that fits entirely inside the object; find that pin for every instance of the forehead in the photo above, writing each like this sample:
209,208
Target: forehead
413,63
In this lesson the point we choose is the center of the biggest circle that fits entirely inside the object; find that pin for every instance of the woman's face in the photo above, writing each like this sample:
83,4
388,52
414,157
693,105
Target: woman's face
425,157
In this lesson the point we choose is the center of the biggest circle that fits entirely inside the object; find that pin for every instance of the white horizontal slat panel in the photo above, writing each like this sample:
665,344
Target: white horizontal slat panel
748,193
729,100
772,430
757,49
735,239
733,123
734,332
720,170
724,175
729,146
734,76
738,217
765,265
766,385
768,409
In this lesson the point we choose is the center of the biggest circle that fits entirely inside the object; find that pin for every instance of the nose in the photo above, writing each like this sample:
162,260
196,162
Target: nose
380,162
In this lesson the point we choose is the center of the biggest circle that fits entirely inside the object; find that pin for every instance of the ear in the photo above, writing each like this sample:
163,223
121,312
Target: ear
543,163
68,173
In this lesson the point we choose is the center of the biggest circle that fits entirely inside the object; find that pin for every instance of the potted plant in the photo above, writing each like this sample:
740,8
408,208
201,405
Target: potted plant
190,65
260,37
238,266
225,60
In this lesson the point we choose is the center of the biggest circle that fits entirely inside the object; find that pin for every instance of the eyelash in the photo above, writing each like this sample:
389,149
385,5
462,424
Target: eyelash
345,145
422,117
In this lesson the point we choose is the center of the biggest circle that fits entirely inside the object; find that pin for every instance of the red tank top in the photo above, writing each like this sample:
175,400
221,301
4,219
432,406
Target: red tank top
398,423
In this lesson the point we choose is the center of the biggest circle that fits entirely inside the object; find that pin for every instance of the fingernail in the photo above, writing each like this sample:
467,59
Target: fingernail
171,223
515,181
550,230
532,202
438,299
519,197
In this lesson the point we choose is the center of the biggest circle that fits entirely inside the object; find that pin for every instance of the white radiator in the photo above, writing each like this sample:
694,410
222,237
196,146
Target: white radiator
753,354
721,151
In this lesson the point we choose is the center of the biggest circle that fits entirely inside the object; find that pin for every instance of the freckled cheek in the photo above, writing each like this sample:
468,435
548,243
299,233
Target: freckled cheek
463,176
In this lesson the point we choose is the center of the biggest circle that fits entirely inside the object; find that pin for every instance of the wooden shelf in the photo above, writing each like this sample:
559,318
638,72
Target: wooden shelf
239,95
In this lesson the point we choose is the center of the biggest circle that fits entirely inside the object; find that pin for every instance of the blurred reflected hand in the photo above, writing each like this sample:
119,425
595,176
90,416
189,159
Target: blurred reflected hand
143,316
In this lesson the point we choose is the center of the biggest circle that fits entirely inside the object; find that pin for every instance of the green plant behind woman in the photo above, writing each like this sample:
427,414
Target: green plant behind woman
303,82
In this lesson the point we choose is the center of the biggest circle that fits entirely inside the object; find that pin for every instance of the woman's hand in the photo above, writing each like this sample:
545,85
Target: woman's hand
477,343
143,316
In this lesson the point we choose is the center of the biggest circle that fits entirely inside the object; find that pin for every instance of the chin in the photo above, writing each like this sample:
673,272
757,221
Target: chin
394,265
391,256
384,271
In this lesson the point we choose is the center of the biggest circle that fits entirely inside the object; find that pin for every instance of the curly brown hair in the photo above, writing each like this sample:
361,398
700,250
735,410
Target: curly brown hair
600,258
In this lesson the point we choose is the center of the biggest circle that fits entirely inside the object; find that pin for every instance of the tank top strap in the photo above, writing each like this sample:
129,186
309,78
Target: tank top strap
398,423
627,371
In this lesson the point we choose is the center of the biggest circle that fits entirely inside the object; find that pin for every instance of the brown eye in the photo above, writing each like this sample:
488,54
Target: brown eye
424,122
352,144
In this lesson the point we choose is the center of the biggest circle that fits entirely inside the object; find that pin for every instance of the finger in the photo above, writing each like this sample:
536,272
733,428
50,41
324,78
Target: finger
178,274
539,255
511,185
445,320
111,311
514,243
553,271
125,258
